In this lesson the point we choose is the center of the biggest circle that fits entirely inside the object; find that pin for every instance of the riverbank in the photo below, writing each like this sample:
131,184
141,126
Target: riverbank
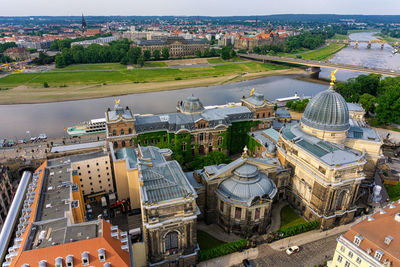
25,94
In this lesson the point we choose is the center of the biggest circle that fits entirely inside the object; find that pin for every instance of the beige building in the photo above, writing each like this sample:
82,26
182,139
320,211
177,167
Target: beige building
374,241
331,156
6,194
177,46
169,210
239,196
95,172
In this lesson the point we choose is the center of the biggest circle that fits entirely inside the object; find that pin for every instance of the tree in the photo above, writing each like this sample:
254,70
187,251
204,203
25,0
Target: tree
165,53
140,61
388,108
368,102
147,55
227,52
60,61
198,53
133,54
156,54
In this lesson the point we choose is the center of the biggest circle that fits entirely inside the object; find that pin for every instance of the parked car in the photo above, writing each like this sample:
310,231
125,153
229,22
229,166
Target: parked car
10,143
33,139
292,250
2,142
42,136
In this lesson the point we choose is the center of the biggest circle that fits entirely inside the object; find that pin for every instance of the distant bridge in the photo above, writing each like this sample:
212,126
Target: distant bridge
317,65
357,42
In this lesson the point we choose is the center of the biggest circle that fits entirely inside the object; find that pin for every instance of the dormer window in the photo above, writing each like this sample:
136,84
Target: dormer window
379,254
59,261
388,239
69,260
42,263
85,258
358,239
102,254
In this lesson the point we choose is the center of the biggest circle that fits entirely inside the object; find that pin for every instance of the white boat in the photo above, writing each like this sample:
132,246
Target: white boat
92,127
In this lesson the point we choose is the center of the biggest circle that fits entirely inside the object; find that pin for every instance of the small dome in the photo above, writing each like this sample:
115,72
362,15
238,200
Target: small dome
327,111
246,185
192,104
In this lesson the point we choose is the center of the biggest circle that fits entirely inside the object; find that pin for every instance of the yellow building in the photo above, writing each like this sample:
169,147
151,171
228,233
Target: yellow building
374,241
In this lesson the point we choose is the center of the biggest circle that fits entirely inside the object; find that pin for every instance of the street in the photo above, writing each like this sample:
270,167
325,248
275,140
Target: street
311,254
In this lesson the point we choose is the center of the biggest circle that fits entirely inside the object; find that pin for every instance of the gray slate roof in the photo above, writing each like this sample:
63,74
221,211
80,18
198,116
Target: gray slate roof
174,122
329,153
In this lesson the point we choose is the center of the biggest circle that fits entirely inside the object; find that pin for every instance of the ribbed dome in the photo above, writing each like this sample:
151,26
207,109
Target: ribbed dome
247,184
192,104
327,111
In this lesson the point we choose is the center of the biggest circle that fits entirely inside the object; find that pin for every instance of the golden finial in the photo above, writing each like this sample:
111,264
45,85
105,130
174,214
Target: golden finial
117,101
333,78
252,92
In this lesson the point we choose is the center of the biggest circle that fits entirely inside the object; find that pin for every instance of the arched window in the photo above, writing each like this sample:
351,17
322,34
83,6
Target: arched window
115,145
123,143
130,142
340,200
130,130
114,132
171,242
122,132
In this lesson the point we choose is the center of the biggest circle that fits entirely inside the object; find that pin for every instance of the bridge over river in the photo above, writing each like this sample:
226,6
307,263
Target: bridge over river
356,42
315,66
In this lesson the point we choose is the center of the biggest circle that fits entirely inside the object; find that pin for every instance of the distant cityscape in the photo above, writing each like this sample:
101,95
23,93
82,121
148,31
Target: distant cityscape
302,180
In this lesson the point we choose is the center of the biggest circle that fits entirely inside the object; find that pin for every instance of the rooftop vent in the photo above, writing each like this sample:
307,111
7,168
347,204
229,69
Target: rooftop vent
107,264
102,254
397,217
59,261
42,263
69,260
370,218
85,258
388,239
382,211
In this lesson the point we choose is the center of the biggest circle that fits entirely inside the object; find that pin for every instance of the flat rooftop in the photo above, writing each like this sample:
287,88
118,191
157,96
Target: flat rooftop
67,148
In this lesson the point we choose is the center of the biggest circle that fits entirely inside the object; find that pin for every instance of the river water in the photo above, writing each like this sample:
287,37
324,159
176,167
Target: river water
52,118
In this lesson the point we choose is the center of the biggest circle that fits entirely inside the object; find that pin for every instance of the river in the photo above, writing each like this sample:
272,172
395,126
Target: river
52,118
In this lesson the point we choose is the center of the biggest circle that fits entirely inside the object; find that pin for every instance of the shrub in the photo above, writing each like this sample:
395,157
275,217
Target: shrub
222,250
45,85
178,78
300,228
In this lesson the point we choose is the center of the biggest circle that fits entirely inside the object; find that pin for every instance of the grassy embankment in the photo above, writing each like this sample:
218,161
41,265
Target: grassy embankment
218,60
207,241
387,38
108,66
322,53
28,87
289,217
340,37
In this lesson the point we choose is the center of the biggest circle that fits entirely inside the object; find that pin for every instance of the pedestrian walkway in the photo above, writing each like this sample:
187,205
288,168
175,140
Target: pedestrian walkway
276,216
216,232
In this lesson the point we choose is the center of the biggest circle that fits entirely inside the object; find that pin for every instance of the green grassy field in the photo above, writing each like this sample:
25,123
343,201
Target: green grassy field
366,30
55,79
324,52
155,64
340,37
220,60
387,38
101,66
207,241
289,217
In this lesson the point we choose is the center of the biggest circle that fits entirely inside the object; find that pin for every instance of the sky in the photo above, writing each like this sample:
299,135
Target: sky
195,7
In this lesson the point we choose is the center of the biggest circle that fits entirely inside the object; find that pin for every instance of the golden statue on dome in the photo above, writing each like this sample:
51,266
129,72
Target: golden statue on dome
117,101
333,78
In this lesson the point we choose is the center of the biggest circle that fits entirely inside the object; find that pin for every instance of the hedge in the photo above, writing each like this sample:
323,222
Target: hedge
222,250
300,228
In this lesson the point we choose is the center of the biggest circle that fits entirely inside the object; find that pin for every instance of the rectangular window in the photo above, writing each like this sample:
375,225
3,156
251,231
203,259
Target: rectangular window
347,264
257,214
350,254
339,258
221,206
358,260
238,213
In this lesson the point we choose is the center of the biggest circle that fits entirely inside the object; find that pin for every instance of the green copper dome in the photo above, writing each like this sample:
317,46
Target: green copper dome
327,111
